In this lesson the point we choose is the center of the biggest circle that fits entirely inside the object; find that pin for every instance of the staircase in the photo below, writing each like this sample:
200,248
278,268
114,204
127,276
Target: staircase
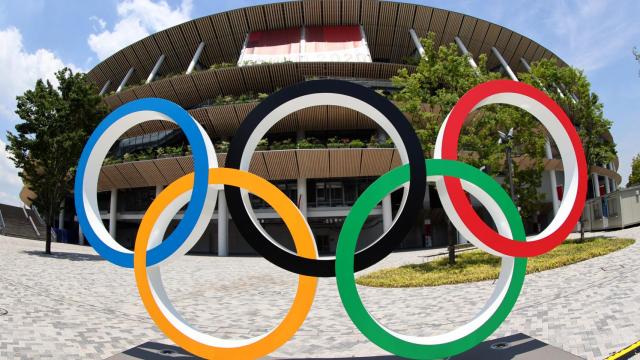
16,224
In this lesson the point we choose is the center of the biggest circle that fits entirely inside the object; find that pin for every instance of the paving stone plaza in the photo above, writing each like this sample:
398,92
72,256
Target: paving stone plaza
74,305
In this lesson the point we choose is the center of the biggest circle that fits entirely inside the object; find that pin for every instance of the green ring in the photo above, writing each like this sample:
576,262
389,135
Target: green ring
348,238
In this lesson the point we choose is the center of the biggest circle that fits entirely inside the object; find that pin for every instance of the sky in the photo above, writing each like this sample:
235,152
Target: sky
37,37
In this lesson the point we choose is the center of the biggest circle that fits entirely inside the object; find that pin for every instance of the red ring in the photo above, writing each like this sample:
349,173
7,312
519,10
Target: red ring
461,204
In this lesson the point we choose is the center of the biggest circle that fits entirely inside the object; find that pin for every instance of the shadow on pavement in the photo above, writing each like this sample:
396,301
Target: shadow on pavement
64,255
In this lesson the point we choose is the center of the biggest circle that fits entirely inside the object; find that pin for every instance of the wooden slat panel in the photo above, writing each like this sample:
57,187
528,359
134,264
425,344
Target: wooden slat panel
133,177
466,29
186,90
258,166
313,163
231,81
293,13
288,124
538,55
422,19
104,183
186,162
479,33
164,89
144,91
171,59
202,117
350,12
211,53
127,95
153,126
401,39
207,84
221,159
256,19
438,23
369,19
312,69
519,53
375,161
150,172
282,164
139,68
240,27
490,41
454,21
344,162
223,119
313,118
285,74
531,50
112,101
312,12
339,69
223,30
257,78
242,110
331,12
366,70
395,161
170,169
116,177
275,16
510,49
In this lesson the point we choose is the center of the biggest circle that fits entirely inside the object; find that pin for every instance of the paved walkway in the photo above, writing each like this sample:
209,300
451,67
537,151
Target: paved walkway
75,305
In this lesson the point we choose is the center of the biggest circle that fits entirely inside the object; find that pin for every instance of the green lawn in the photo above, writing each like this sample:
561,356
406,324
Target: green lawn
477,265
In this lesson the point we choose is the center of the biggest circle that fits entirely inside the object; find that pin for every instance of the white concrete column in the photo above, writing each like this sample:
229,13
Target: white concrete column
416,42
156,67
504,64
465,52
105,87
553,183
61,218
80,235
124,81
607,187
223,225
113,213
596,185
387,215
196,56
302,195
614,186
159,189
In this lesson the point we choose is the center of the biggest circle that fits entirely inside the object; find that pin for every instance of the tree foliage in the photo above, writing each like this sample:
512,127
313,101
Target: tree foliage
429,93
634,178
57,121
570,88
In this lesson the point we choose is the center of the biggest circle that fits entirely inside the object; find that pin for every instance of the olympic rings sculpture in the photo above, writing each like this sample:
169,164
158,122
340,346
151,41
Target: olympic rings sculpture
198,190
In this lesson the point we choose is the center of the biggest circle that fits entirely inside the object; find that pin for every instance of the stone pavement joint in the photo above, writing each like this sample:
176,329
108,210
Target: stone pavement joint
74,305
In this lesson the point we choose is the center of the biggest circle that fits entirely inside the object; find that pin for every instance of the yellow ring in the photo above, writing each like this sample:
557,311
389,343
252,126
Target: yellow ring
305,246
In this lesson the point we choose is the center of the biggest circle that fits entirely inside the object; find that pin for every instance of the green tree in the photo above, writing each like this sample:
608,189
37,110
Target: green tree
46,146
570,88
634,178
429,93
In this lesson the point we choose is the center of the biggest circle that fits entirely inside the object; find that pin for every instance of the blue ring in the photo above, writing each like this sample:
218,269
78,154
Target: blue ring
200,186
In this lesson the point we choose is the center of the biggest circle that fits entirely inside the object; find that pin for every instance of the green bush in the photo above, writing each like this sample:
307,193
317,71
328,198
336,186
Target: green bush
356,143
262,145
310,143
283,145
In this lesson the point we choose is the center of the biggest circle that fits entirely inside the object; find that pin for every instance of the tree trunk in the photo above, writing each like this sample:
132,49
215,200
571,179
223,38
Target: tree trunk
48,236
451,240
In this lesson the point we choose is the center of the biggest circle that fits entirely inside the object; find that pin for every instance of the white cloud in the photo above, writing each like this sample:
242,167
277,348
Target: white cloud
10,182
19,70
137,19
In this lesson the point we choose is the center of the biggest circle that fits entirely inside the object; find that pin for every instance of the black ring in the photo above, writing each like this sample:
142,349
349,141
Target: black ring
405,218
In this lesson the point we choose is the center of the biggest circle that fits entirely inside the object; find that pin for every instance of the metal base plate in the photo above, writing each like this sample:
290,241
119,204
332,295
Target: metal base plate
513,347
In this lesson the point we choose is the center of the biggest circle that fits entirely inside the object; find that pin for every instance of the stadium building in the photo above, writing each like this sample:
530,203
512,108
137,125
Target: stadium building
219,67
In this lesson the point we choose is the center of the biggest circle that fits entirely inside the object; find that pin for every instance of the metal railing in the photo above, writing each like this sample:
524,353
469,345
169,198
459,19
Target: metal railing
2,224
33,224
38,217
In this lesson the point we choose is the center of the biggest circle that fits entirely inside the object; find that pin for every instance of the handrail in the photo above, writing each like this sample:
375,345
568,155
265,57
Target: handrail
38,216
31,220
2,224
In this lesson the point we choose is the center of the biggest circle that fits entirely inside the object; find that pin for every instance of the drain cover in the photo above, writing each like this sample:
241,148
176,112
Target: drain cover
3,311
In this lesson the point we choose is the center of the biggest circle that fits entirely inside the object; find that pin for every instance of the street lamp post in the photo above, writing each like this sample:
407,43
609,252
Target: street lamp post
506,138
